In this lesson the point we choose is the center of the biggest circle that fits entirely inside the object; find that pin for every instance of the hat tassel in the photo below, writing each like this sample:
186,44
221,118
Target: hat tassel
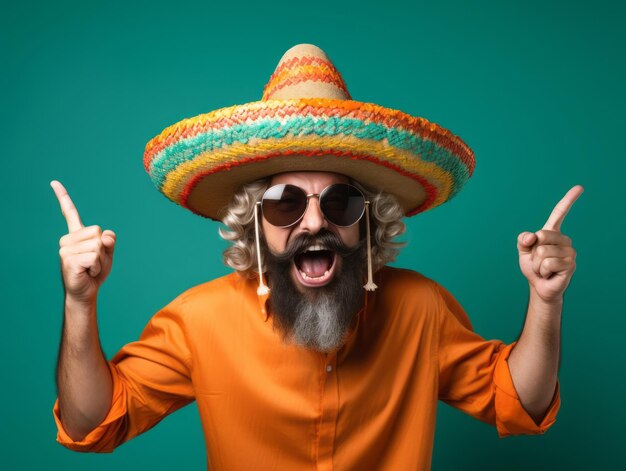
263,288
370,285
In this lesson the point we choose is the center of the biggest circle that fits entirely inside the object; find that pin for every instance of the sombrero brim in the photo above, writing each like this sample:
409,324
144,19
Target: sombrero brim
199,163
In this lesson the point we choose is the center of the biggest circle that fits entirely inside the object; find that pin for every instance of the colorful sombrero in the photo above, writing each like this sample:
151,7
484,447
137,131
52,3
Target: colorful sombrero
307,121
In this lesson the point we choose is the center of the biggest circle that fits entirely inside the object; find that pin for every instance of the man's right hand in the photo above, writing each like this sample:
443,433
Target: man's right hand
86,252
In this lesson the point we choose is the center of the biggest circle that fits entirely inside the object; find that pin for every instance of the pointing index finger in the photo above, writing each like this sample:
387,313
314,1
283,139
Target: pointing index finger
67,207
562,208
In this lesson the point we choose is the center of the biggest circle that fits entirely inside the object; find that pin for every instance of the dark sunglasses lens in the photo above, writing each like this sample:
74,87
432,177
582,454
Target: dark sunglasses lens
342,204
283,204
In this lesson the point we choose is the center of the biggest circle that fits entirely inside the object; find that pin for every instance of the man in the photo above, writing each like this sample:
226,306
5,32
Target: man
313,354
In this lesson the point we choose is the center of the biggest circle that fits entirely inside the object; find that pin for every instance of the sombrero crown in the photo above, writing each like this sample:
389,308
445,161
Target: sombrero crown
307,121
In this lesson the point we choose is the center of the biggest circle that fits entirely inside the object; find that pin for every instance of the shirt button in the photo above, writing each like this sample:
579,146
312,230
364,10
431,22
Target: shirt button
329,368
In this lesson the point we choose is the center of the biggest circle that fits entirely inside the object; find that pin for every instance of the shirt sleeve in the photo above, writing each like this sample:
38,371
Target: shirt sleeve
474,375
151,379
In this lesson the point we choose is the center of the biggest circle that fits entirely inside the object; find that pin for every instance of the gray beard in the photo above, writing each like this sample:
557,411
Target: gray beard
318,318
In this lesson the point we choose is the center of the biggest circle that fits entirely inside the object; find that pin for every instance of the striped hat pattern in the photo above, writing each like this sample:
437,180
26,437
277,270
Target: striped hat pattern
307,121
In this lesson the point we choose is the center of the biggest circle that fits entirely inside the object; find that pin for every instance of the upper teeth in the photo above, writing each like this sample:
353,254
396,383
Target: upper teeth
315,247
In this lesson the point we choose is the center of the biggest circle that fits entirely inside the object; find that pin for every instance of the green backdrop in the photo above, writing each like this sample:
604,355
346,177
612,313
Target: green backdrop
536,88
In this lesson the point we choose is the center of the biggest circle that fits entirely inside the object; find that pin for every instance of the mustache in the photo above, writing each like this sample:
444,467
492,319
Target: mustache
324,237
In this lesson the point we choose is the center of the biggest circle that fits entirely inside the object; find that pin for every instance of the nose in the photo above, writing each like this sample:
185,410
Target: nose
313,219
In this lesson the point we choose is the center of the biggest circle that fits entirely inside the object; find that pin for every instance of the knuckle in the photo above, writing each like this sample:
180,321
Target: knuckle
543,236
547,268
98,244
95,229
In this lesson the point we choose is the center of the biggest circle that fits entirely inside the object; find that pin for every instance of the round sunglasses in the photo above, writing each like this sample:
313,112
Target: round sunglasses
284,205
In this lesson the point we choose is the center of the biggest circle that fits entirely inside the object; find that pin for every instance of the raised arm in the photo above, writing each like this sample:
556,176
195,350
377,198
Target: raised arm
83,377
548,260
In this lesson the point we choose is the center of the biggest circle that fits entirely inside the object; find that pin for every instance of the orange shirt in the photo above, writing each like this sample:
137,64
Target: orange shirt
267,405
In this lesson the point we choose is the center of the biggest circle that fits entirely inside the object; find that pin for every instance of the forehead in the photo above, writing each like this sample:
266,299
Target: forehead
309,179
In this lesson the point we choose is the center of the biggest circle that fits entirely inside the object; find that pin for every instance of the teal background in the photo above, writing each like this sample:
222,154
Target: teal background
536,88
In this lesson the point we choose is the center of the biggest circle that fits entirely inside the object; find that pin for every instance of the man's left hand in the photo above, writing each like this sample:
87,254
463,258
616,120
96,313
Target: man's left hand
546,257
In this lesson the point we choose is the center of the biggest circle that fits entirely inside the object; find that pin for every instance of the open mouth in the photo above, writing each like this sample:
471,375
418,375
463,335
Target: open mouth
315,266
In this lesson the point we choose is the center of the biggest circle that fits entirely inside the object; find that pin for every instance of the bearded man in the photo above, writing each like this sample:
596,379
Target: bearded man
313,354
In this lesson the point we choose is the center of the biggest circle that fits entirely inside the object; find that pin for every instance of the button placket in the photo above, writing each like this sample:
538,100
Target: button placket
330,409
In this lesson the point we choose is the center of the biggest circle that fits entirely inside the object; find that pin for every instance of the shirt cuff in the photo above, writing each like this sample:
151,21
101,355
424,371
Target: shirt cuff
101,439
511,417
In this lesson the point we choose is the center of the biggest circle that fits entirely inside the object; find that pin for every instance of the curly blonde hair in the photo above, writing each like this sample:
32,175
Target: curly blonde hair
385,219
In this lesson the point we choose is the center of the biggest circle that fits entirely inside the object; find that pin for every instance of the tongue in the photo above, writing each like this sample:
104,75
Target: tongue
314,264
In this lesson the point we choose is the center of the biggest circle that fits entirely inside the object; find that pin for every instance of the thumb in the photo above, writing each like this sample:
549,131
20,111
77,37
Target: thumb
108,240
525,242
